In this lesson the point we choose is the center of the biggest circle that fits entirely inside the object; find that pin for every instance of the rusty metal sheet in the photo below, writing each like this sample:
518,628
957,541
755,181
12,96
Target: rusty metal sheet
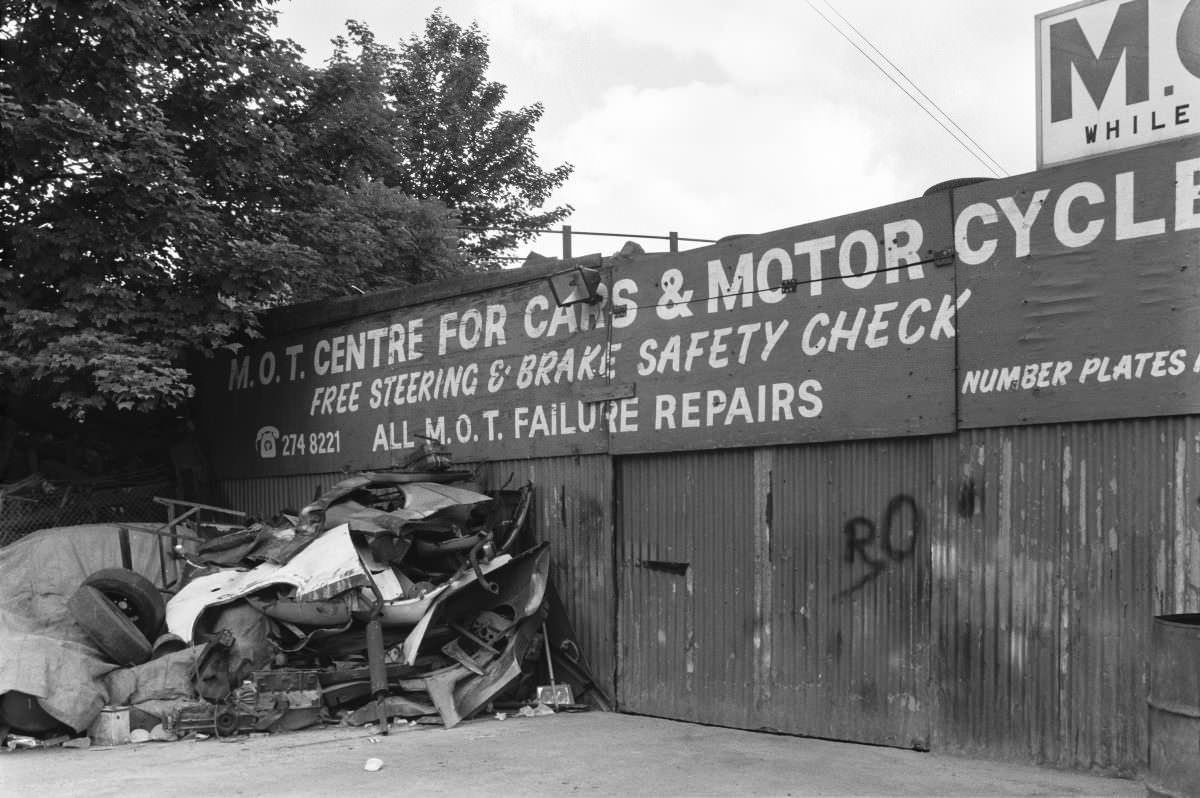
1085,284
1050,549
686,569
264,497
1054,547
779,588
572,509
851,545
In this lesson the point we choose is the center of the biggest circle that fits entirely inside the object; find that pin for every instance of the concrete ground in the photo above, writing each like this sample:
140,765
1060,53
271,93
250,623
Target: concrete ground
568,754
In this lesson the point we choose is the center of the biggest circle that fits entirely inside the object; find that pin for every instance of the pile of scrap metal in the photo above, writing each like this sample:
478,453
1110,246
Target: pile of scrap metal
394,594
398,594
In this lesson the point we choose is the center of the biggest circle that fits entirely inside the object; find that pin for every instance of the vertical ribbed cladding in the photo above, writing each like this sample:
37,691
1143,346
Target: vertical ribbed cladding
573,511
782,588
265,497
851,544
687,622
1065,542
996,608
1017,627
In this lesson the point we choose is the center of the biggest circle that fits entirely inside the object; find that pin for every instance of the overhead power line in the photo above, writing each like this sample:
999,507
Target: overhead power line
958,134
913,83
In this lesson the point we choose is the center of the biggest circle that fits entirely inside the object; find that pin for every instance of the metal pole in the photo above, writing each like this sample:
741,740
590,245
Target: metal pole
377,668
126,552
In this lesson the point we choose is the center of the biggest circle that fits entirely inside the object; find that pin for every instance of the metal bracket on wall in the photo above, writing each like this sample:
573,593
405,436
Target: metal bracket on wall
944,257
607,393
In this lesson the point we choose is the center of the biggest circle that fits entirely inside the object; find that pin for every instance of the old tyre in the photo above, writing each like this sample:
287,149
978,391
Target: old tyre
134,595
112,632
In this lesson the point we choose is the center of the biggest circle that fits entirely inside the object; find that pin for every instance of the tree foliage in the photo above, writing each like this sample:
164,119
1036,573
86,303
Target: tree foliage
429,122
170,169
165,176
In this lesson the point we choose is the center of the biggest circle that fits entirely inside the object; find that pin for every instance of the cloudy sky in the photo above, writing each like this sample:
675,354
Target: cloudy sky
714,118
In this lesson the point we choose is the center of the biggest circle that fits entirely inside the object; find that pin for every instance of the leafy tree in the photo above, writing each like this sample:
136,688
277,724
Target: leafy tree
161,184
431,123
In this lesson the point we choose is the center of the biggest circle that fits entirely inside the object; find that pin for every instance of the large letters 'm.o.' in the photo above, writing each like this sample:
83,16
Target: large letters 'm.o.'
1187,41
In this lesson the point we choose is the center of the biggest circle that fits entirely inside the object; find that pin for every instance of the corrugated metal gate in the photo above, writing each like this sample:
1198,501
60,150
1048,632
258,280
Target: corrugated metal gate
987,593
990,592
783,588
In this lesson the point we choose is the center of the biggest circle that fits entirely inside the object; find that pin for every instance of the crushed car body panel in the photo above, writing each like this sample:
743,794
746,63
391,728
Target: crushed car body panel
327,567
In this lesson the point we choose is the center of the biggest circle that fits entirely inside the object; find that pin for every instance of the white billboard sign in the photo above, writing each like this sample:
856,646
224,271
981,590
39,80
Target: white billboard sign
1115,74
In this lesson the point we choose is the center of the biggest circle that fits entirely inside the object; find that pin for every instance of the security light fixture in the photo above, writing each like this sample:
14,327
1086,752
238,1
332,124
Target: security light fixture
572,286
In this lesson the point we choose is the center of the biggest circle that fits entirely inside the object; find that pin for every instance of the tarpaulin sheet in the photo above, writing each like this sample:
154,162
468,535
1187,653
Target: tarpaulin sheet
42,651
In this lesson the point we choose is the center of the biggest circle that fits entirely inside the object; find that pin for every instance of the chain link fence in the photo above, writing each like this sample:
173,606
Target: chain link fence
35,503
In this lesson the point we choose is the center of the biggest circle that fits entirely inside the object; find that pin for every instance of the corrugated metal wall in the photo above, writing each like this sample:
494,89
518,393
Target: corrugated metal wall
1007,615
987,593
264,498
573,510
1054,547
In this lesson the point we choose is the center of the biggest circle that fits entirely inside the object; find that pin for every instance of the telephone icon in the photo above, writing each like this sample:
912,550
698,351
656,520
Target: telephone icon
266,439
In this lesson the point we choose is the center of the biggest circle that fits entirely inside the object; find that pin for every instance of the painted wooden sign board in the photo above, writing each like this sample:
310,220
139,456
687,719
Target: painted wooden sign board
1074,294
492,374
1085,284
857,344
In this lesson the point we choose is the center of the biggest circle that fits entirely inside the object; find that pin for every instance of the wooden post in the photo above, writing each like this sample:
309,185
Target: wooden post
674,236
566,238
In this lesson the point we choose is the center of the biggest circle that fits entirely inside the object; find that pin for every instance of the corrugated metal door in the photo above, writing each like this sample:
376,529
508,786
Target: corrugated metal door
783,589
851,550
685,606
